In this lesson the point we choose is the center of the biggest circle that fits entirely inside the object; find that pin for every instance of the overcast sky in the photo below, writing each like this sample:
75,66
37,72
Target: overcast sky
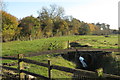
91,11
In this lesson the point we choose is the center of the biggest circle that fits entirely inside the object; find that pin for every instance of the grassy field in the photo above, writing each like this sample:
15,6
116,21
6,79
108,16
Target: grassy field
24,47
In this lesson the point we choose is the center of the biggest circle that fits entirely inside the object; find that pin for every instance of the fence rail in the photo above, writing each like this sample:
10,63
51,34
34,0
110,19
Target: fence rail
34,62
10,64
11,58
23,71
50,67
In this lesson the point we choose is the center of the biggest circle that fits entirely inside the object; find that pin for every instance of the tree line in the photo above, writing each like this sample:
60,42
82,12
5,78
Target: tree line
50,22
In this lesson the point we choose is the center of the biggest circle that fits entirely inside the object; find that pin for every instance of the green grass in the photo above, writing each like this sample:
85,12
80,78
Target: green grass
24,47
55,60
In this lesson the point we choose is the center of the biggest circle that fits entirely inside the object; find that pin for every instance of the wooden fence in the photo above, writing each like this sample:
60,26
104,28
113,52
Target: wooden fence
81,73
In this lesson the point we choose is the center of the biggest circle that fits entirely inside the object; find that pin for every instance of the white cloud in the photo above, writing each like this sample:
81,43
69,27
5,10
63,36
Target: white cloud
103,11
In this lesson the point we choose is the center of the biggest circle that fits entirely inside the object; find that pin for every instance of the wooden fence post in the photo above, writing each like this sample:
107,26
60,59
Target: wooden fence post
20,67
76,56
68,44
49,69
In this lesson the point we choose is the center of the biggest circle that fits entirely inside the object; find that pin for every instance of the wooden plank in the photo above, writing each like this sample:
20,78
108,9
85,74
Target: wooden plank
11,58
9,68
33,74
78,71
34,62
10,64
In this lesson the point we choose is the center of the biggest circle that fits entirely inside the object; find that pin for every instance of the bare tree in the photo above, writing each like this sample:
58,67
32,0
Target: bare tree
2,5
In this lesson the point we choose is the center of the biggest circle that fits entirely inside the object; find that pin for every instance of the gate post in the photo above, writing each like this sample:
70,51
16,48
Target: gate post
20,67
